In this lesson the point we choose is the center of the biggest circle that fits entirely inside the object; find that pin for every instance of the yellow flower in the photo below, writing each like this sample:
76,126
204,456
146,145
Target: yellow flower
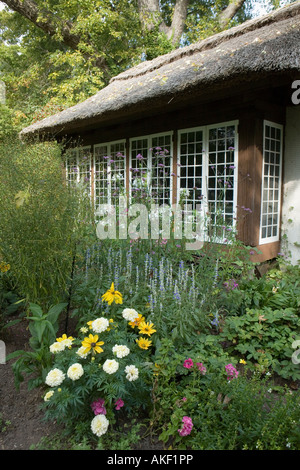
156,369
92,343
137,321
144,343
242,361
4,267
112,295
146,328
64,337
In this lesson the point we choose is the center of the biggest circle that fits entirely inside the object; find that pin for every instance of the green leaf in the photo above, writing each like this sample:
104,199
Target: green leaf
55,311
36,309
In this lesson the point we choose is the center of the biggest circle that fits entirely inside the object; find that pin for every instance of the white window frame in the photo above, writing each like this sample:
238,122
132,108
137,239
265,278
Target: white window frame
270,239
205,164
77,151
109,146
148,157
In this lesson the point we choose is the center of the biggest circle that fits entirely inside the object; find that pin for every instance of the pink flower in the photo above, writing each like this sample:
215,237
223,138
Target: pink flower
188,363
98,407
201,368
232,373
187,426
119,403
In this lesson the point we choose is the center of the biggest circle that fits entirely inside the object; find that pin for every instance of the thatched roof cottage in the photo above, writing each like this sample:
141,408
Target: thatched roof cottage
226,110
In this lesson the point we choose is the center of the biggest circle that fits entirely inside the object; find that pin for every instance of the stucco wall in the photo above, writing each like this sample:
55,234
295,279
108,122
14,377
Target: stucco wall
291,185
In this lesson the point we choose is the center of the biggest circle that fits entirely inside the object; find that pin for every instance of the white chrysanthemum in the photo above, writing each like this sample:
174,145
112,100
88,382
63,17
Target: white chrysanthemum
120,350
54,378
130,314
110,366
57,347
132,373
75,371
80,352
100,324
99,425
67,342
48,395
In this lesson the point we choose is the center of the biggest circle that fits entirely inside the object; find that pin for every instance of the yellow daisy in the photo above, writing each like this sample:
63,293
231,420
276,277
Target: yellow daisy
137,321
144,343
112,295
92,343
146,328
64,338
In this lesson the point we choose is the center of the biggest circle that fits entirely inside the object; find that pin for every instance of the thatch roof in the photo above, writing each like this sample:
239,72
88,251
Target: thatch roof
261,47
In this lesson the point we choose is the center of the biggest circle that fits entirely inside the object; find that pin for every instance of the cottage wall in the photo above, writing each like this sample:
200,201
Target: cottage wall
291,184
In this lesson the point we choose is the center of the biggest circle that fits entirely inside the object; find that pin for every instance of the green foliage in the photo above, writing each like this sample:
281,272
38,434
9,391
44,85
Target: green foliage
39,220
236,414
265,336
35,363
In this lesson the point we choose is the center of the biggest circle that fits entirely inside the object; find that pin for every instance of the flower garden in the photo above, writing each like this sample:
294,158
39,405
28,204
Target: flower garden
134,338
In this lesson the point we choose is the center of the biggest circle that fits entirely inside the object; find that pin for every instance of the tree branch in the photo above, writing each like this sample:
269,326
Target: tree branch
229,12
178,22
150,17
51,25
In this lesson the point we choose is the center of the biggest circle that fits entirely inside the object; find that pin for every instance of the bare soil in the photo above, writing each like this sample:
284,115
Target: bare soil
21,419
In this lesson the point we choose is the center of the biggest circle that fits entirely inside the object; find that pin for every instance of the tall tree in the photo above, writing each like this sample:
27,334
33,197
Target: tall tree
55,53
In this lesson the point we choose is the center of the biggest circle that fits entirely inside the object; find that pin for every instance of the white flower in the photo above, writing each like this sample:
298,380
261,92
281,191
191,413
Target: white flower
81,353
57,347
75,371
48,395
120,350
99,425
110,366
132,373
130,314
100,324
84,329
67,342
54,378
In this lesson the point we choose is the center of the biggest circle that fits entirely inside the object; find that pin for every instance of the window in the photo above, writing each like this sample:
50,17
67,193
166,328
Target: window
78,166
207,160
110,174
271,183
151,163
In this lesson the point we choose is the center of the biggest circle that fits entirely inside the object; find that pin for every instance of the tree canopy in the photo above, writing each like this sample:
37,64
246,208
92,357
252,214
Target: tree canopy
57,53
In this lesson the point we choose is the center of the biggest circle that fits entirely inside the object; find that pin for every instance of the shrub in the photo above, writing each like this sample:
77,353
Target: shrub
39,220
105,371
203,407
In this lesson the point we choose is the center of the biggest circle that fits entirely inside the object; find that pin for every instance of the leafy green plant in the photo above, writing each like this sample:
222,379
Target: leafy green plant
217,407
264,337
41,220
43,329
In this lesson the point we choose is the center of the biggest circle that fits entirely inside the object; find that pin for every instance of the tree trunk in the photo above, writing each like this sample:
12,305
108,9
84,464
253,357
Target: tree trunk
176,29
229,12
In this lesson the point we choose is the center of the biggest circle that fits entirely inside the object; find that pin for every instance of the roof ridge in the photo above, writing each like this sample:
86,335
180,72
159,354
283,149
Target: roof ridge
276,16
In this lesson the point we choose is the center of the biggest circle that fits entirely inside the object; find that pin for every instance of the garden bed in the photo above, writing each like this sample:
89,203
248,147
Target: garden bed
22,424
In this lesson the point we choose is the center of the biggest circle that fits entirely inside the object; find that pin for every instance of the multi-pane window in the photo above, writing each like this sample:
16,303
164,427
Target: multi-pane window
109,172
207,160
191,166
78,166
221,174
150,166
271,183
